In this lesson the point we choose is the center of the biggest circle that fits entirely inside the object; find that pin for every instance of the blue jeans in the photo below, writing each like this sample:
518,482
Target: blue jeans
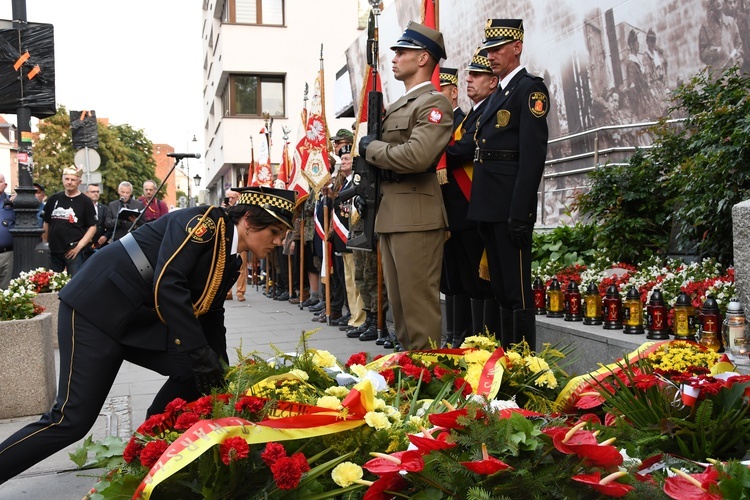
59,263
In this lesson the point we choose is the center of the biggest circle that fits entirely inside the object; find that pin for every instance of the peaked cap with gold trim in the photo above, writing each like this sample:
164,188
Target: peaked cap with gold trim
277,202
448,76
479,63
501,31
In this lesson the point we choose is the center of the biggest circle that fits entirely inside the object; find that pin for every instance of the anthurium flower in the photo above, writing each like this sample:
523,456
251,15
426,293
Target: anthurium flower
401,461
702,486
390,482
488,465
507,412
597,455
607,486
589,400
426,444
565,438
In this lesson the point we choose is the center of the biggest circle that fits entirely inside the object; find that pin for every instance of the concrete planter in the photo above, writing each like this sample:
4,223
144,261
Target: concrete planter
51,304
27,367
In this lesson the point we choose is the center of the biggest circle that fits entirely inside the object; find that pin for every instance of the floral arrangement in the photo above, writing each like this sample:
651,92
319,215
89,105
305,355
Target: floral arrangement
18,304
40,280
697,279
404,425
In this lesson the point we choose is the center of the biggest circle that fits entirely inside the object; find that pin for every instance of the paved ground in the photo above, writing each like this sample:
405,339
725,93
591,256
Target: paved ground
255,324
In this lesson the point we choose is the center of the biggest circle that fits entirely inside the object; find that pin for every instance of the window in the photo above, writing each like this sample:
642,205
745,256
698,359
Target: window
252,95
269,12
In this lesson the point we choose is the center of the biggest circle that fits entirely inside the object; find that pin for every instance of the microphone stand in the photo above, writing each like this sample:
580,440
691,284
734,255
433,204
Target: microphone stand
140,215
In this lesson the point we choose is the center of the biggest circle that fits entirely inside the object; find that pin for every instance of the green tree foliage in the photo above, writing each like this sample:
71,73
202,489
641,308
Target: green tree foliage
692,176
126,155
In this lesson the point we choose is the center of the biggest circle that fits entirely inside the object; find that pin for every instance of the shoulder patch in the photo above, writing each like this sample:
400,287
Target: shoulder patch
435,115
201,231
538,104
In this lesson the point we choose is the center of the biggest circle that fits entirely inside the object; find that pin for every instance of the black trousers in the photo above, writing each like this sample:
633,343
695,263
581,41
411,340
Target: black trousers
89,362
462,254
510,267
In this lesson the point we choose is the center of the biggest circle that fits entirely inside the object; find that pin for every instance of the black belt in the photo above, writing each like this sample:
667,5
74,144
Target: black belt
135,252
389,176
6,249
495,155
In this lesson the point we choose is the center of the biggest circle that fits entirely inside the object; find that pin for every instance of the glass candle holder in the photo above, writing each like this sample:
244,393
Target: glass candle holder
741,350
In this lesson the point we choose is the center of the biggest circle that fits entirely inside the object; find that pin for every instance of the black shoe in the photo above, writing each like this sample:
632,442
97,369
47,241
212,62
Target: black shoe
388,343
317,307
369,335
283,296
345,327
310,302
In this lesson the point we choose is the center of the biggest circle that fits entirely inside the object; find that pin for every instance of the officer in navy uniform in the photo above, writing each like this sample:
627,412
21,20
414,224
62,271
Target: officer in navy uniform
511,142
449,88
411,218
467,296
154,298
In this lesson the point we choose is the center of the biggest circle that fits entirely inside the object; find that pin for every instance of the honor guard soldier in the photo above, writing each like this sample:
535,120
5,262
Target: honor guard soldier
411,219
470,306
511,146
154,298
449,88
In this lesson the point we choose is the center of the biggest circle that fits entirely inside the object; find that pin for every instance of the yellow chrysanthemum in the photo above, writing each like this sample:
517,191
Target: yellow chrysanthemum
300,374
324,359
472,375
338,391
546,379
358,370
480,341
346,473
377,420
479,356
535,364
331,402
513,357
378,404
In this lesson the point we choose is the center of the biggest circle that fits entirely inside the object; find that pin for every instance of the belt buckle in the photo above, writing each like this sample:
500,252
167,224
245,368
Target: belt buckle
476,154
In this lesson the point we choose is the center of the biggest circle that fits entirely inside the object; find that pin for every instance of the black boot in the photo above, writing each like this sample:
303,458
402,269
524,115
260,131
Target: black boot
371,333
382,334
449,322
524,327
506,327
462,319
391,342
356,332
491,317
477,318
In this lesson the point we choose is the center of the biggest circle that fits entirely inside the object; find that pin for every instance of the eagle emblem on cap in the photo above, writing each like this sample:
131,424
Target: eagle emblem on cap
488,25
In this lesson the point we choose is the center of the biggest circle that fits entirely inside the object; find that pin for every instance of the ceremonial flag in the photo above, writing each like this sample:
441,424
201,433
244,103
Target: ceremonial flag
314,148
282,180
298,182
263,173
430,19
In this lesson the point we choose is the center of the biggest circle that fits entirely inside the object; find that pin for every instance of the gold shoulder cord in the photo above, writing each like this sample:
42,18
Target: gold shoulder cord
215,275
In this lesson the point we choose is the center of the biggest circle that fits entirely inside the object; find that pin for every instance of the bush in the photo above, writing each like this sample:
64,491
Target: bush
564,245
691,177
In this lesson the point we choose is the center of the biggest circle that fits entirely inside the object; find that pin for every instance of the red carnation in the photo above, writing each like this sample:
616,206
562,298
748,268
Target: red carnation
224,398
250,404
300,461
152,451
174,406
389,376
204,406
441,372
186,421
286,473
359,358
272,453
233,449
153,425
132,450
462,385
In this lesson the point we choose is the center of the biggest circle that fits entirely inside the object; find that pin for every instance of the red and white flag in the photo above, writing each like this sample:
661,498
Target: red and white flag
430,19
313,149
297,181
263,172
282,180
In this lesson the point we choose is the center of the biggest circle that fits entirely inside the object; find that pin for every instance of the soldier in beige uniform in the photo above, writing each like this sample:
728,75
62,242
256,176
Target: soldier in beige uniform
411,220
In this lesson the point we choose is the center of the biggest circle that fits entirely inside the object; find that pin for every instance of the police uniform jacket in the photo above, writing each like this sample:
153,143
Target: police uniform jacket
460,158
514,123
189,251
416,129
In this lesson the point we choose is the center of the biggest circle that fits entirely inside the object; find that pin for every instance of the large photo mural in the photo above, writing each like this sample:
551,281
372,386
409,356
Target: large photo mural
609,66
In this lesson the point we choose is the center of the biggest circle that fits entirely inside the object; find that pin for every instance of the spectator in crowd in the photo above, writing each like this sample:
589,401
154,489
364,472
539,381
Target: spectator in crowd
154,207
41,196
93,191
121,226
7,221
69,224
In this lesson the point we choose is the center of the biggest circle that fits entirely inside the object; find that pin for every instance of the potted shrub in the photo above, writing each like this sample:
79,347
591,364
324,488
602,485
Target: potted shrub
46,284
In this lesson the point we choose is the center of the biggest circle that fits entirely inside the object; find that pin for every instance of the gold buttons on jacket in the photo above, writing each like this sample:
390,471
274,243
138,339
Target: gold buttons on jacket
177,341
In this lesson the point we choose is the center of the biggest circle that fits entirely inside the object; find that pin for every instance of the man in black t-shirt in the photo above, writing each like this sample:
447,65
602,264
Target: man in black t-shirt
69,223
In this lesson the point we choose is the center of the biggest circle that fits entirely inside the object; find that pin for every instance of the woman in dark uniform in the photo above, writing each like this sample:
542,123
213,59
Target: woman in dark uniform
154,298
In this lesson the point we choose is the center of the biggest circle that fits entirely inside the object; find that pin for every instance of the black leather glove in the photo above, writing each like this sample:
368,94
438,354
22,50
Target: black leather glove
360,204
364,142
207,369
519,233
